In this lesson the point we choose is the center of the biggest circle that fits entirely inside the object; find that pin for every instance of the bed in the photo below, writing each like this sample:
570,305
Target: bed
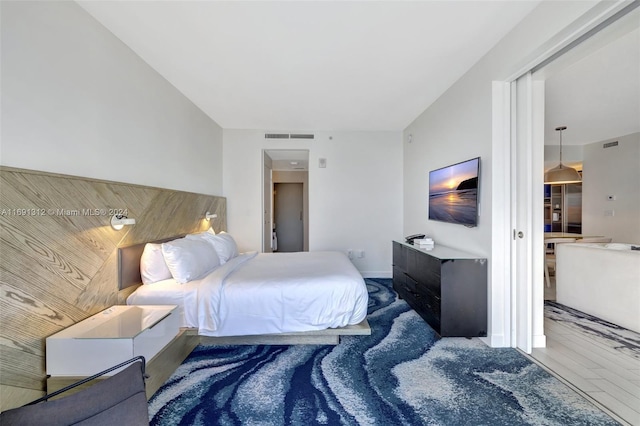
306,296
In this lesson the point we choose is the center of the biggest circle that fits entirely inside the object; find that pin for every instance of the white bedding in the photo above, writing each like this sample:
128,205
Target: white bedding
267,293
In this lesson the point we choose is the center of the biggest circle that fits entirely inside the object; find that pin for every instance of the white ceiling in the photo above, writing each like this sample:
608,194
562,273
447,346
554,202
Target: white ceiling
598,96
284,159
323,65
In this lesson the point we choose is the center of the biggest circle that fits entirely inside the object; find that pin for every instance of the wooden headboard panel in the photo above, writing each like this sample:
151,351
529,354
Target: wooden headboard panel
62,266
129,263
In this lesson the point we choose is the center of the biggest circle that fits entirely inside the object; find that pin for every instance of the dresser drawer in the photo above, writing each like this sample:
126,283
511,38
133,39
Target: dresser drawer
428,302
398,277
428,291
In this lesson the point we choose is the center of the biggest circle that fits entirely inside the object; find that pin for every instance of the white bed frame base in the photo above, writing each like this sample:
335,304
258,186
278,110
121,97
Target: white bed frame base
330,336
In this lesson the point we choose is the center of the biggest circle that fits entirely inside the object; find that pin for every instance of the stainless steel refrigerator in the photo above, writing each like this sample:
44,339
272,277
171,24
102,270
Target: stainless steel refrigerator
563,208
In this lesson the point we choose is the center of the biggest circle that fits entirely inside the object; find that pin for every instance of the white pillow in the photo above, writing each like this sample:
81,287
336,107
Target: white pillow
223,243
189,259
153,268
225,246
201,235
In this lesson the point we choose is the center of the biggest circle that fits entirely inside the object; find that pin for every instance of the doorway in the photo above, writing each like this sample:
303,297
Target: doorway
285,200
288,217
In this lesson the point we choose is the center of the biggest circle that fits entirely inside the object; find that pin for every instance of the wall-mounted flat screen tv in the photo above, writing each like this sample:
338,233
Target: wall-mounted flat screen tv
453,193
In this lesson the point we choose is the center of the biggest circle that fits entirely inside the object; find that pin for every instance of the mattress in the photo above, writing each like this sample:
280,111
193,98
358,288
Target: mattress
170,292
267,293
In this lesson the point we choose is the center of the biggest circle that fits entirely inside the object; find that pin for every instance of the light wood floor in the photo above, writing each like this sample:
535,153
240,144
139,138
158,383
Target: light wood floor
599,372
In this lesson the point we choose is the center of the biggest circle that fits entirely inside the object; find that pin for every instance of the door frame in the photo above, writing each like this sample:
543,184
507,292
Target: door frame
267,203
282,176
301,177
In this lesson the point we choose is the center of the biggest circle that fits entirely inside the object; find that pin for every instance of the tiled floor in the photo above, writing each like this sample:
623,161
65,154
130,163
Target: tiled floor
594,368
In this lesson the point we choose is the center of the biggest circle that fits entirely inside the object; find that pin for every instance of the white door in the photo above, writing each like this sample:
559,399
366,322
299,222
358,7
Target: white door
520,253
288,216
527,213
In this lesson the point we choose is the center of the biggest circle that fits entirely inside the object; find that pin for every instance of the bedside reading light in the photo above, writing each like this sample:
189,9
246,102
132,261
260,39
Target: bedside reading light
118,221
210,216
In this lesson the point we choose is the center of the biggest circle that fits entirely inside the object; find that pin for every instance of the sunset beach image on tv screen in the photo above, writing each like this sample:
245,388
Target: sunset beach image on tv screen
453,193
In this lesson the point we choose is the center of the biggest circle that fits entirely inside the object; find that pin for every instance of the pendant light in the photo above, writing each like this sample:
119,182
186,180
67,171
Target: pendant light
561,173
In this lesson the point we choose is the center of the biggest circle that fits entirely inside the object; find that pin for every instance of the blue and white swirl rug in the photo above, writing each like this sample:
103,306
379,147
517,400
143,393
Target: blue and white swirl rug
402,374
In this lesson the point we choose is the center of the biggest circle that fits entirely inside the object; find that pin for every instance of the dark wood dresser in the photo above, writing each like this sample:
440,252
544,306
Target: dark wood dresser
446,286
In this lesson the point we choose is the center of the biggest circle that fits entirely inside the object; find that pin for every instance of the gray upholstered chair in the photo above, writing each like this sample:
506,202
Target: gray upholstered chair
117,400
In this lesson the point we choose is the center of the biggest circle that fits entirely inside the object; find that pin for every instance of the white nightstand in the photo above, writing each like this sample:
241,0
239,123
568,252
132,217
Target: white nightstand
115,335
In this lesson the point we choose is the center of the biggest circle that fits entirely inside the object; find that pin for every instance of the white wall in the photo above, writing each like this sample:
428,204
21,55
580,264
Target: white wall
612,171
458,126
355,202
77,101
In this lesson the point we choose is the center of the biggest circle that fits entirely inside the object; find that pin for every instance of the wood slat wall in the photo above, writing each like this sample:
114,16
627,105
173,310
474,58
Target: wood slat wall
59,266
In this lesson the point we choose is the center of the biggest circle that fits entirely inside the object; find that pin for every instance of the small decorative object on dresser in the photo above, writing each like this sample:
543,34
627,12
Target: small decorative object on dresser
425,243
447,287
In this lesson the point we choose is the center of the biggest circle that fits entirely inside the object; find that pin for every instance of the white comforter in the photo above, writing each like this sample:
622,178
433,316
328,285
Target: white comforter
272,293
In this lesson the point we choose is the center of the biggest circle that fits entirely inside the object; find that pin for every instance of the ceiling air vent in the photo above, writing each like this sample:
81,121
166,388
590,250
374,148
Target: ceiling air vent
288,136
610,144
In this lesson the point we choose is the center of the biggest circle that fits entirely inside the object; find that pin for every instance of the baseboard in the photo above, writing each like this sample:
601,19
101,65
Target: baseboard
496,341
539,341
